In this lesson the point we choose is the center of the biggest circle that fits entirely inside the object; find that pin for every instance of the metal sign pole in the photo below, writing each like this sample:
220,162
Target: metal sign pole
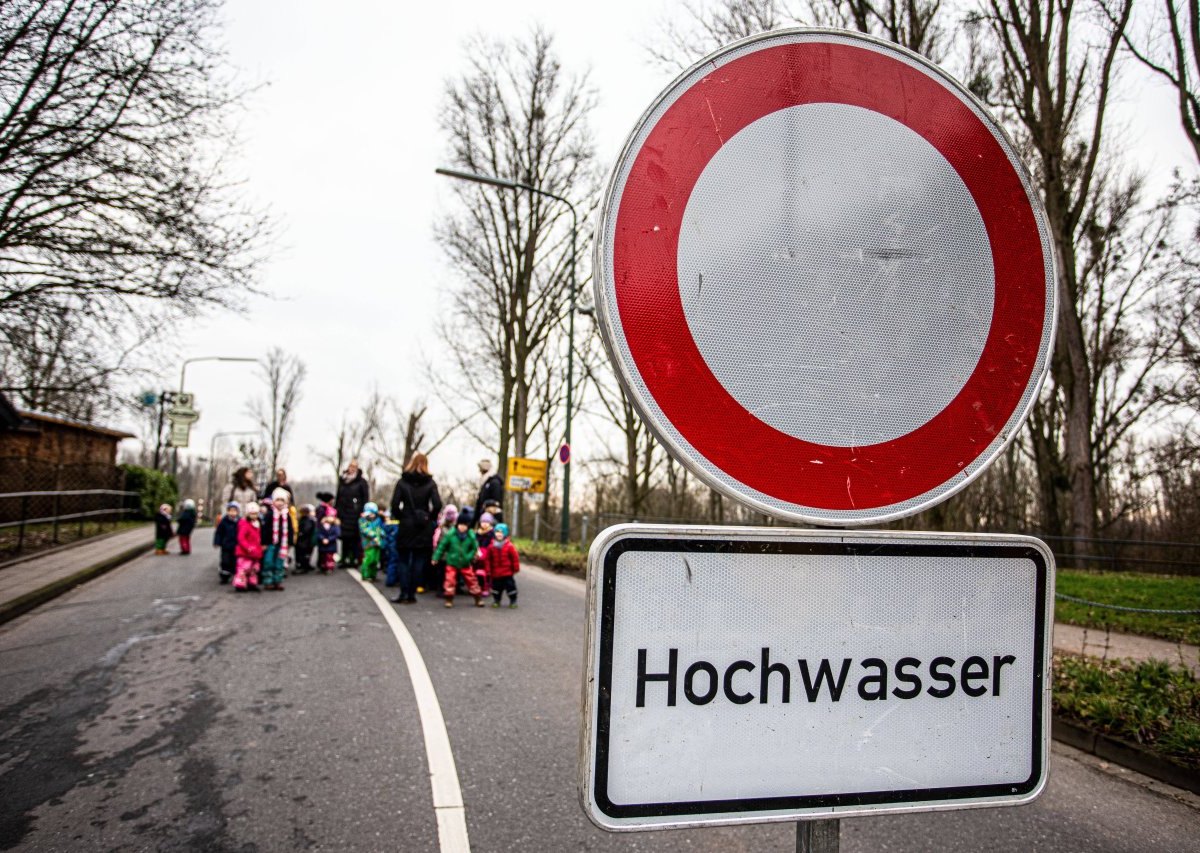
818,836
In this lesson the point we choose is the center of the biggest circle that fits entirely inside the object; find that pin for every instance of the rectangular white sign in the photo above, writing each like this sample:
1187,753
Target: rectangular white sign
738,675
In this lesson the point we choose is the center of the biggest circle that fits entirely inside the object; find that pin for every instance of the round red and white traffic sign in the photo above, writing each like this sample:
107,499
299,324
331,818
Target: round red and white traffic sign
824,277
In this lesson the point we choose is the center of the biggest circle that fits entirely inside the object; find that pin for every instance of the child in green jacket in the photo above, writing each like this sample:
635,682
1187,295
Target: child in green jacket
459,549
370,527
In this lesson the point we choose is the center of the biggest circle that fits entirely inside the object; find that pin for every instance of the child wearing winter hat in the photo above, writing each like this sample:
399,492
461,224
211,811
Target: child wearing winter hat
278,536
187,523
162,529
370,528
225,537
503,563
249,550
329,531
435,571
459,548
306,539
484,534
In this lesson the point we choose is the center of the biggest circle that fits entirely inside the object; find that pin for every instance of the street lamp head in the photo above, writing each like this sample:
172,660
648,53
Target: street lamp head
479,179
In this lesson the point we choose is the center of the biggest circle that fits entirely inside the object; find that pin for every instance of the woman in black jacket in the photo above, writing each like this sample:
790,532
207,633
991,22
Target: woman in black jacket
352,496
415,504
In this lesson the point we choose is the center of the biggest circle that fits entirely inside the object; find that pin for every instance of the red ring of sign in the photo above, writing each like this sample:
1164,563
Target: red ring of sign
675,373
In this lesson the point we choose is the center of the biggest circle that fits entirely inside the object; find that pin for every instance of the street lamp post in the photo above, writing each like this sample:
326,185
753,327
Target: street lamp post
565,529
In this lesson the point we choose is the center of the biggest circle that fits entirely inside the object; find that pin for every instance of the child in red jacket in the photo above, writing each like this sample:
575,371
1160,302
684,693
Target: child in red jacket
249,550
503,563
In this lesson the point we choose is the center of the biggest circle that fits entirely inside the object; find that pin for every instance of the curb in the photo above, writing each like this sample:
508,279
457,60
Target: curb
10,610
1125,754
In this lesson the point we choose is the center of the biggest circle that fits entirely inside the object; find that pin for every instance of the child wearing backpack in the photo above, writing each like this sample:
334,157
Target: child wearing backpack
370,528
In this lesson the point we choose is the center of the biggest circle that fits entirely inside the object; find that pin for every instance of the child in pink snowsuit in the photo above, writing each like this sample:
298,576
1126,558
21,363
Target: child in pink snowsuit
249,550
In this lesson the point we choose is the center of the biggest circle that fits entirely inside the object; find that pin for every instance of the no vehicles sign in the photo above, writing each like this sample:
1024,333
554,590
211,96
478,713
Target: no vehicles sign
825,279
739,674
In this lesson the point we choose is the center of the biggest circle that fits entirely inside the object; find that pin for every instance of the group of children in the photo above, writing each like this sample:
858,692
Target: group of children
164,533
255,542
255,546
483,560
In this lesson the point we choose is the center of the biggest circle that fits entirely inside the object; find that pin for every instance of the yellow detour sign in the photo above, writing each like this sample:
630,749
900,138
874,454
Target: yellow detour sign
526,475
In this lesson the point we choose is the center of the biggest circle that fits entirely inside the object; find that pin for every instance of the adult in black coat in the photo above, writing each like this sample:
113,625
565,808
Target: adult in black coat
280,482
491,490
352,495
415,505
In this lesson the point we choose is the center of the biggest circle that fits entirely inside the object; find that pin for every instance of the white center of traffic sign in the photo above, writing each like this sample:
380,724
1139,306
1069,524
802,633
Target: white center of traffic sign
816,239
825,278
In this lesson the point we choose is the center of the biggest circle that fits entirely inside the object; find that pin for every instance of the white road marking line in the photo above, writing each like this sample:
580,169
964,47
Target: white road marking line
443,775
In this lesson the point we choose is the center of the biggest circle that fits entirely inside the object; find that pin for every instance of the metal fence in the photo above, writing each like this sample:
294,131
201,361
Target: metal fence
1110,554
34,520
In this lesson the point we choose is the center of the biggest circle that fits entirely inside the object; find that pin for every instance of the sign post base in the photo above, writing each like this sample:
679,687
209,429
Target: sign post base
818,836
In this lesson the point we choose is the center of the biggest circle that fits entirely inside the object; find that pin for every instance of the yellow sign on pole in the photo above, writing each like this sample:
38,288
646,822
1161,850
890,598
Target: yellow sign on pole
526,475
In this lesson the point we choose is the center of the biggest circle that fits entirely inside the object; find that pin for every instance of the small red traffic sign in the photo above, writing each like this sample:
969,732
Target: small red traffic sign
564,453
825,278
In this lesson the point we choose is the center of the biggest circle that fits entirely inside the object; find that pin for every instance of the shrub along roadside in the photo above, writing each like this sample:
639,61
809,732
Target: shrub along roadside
154,488
1154,704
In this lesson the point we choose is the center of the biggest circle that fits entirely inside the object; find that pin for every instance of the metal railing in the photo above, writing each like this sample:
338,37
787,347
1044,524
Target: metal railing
38,516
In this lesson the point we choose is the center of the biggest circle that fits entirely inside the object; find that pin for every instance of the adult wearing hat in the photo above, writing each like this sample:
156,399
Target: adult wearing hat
491,488
352,495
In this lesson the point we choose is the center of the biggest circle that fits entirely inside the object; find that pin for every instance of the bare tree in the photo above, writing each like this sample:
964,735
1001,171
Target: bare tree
919,25
355,435
283,375
1054,84
114,216
1169,46
400,434
638,459
49,362
699,28
517,115
111,136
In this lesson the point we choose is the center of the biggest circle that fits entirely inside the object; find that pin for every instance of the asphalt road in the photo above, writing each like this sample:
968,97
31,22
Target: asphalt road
154,710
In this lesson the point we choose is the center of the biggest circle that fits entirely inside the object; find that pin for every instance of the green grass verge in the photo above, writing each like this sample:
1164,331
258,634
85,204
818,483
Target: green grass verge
1154,703
1130,589
551,555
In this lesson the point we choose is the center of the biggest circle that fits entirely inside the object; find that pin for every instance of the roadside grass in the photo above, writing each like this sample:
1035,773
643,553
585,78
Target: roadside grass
1131,589
1127,589
40,537
551,555
1154,703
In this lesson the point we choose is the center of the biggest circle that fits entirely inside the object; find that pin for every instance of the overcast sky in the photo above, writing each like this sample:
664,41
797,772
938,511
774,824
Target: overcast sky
340,145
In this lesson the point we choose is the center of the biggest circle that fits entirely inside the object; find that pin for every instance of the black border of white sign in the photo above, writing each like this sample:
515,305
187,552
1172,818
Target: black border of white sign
603,578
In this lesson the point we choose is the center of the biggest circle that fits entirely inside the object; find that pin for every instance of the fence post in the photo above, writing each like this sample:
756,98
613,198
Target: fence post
56,512
583,531
24,516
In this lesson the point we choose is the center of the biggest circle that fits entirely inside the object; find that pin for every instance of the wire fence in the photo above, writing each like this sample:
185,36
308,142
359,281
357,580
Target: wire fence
1110,554
45,503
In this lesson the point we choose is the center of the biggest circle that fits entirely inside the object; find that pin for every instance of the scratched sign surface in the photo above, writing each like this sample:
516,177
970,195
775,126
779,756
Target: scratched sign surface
805,673
825,279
